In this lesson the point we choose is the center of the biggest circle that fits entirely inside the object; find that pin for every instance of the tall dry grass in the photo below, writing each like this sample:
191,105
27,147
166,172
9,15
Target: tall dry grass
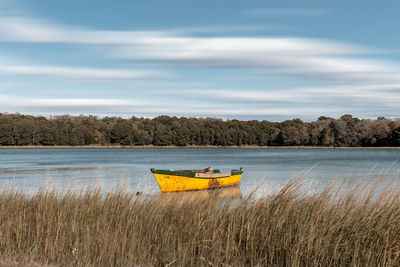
286,228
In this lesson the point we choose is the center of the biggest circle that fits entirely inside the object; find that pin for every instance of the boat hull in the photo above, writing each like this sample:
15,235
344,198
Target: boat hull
173,183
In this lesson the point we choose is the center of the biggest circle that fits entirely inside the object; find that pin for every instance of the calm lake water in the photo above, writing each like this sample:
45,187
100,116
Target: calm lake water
268,169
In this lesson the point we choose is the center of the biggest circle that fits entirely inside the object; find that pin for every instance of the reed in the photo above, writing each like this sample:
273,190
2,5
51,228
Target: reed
285,228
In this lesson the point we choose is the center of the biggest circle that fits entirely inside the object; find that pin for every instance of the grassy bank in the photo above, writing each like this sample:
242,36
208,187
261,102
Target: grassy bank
286,228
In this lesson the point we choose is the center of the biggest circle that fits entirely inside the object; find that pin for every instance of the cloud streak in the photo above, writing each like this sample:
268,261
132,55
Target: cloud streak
287,55
79,72
383,95
128,107
30,30
354,73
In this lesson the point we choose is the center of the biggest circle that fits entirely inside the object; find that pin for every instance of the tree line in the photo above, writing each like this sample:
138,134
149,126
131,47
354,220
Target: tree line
65,130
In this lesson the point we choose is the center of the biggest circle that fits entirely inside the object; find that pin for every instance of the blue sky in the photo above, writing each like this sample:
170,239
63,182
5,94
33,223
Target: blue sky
272,60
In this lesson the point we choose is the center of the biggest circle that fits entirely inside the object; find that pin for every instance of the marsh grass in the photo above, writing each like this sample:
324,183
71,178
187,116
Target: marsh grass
285,228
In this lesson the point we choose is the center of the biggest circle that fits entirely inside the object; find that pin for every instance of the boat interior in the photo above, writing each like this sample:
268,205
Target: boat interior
206,170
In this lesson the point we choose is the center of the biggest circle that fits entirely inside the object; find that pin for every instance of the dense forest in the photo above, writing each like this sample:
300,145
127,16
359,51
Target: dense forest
22,130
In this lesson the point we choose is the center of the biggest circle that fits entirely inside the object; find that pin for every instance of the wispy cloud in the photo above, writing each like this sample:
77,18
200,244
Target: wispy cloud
79,72
367,79
129,107
377,94
224,29
291,56
68,102
26,29
226,104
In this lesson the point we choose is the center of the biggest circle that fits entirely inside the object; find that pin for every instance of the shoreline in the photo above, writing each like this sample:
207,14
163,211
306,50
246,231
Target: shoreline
196,147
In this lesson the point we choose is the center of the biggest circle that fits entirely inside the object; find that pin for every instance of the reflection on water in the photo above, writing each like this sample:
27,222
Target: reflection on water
16,171
227,193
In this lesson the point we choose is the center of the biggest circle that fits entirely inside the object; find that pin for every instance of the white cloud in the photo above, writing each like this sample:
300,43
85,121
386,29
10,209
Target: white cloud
122,106
287,55
74,102
25,29
297,57
366,79
156,107
21,29
379,94
24,102
224,29
79,72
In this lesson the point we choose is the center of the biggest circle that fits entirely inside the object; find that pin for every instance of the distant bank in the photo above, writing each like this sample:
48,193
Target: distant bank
164,131
189,147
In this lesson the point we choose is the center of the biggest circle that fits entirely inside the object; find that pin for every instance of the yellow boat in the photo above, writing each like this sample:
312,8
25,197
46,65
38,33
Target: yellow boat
185,180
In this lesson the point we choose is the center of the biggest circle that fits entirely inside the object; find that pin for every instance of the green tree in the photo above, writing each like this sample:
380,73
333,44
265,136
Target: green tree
122,133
